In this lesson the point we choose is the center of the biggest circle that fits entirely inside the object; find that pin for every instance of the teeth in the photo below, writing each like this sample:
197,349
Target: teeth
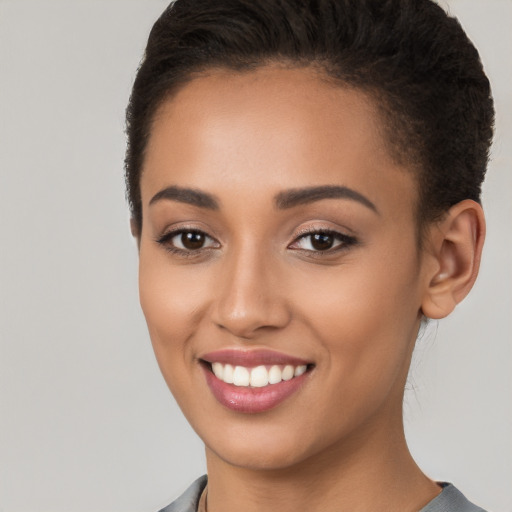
257,377
218,370
241,376
275,376
288,372
227,376
300,370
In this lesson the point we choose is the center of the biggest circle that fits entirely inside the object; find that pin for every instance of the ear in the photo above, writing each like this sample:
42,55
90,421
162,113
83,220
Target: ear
455,250
134,228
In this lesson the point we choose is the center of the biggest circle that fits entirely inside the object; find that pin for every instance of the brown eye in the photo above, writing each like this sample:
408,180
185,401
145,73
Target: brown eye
192,240
183,241
322,241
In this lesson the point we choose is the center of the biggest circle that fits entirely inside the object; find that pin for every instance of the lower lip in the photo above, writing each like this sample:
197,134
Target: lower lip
252,400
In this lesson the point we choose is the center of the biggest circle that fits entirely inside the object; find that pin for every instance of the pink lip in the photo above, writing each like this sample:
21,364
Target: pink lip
252,400
251,358
247,399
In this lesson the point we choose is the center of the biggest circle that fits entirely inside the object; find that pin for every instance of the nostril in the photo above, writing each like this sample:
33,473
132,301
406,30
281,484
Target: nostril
247,326
248,299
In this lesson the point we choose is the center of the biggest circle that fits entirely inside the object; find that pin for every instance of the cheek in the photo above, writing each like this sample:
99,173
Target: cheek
173,300
366,318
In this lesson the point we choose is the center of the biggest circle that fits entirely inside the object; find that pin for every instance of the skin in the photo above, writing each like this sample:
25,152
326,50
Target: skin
353,311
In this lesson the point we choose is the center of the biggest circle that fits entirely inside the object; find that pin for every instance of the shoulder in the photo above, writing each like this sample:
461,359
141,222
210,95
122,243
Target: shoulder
451,500
189,500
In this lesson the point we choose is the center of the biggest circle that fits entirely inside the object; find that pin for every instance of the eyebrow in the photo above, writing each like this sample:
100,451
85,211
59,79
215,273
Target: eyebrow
188,196
284,200
300,196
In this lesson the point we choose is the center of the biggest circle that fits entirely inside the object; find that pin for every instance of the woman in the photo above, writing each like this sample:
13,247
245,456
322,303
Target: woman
304,179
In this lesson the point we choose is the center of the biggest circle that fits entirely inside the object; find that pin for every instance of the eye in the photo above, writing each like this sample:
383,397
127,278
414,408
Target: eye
323,241
190,240
187,241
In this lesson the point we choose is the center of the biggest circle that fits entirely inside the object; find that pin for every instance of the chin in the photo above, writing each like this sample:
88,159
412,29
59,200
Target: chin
265,445
269,457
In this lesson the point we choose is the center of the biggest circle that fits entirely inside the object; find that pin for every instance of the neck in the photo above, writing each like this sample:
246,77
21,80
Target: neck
373,470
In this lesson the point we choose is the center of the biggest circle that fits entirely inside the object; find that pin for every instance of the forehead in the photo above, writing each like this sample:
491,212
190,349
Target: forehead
271,128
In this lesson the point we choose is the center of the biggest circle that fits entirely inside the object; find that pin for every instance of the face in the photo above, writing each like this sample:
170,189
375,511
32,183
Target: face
278,250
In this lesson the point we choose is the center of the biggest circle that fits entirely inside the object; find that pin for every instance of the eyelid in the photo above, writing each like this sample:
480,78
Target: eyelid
345,239
166,237
324,227
185,226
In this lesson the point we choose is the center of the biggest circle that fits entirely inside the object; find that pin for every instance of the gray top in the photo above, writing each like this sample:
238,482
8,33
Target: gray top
450,500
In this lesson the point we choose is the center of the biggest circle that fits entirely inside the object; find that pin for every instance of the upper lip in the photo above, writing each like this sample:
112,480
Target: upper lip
252,357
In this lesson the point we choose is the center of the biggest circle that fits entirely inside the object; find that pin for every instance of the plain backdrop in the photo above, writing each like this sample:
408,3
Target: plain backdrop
86,421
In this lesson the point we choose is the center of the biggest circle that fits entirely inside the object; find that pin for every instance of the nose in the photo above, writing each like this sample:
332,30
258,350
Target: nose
250,298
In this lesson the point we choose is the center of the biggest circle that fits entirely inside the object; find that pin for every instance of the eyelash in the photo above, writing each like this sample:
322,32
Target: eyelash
346,241
166,238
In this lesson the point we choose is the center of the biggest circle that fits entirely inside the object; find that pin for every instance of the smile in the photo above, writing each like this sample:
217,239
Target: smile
257,377
253,381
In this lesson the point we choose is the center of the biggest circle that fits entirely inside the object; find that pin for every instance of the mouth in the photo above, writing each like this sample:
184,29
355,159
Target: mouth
256,377
253,381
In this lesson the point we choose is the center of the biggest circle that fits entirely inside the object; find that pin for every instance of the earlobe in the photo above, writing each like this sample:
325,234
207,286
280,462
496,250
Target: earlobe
456,248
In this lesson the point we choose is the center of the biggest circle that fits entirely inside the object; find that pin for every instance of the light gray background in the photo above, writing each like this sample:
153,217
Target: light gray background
86,422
